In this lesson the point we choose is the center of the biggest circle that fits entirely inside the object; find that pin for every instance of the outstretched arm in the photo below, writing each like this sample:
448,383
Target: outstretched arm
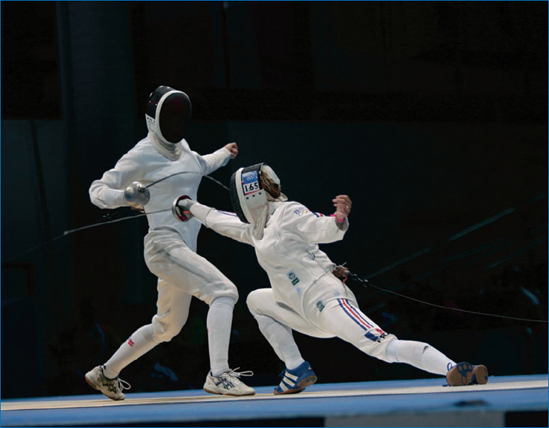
225,223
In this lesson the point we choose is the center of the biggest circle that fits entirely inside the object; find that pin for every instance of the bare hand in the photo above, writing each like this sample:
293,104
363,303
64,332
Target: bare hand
233,148
343,206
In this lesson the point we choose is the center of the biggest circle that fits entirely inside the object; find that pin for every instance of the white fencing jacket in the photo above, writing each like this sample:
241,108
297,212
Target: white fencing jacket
288,251
148,162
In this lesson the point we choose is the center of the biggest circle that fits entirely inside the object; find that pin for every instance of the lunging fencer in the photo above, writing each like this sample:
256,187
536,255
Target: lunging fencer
147,178
305,295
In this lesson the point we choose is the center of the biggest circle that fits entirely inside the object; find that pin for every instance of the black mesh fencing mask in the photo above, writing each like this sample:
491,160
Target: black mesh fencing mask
168,114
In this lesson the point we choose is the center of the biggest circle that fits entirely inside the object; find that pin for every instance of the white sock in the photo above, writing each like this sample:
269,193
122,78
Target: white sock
281,339
140,342
219,322
418,354
438,362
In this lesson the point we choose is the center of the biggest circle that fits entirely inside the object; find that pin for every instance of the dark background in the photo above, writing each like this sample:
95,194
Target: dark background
432,116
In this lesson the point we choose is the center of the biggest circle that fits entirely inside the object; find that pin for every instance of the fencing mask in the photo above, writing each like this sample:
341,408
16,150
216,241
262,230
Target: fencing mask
168,113
251,190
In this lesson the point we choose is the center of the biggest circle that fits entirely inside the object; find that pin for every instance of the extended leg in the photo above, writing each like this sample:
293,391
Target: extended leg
347,321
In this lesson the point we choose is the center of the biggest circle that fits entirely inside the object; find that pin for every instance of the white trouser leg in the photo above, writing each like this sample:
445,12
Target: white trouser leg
276,323
219,324
170,259
343,318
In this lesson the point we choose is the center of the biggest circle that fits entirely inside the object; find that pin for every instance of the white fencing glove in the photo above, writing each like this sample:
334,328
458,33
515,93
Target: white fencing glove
181,208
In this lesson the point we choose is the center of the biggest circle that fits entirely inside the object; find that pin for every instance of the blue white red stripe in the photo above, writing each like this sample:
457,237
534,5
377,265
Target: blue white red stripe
355,315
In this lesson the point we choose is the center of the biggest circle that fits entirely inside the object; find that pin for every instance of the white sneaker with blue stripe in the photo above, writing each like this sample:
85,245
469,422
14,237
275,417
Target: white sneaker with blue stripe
296,380
228,383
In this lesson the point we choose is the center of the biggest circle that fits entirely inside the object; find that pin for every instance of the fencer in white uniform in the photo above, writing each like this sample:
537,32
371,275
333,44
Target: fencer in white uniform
149,177
305,295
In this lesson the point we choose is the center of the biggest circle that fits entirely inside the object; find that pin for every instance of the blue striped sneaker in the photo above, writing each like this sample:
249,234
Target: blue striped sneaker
296,380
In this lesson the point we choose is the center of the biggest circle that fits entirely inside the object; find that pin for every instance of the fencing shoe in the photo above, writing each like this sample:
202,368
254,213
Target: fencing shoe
296,380
467,374
228,383
112,388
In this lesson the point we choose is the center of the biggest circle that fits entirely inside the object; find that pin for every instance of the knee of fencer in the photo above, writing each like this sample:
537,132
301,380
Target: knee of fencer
224,290
391,351
413,350
252,301
165,332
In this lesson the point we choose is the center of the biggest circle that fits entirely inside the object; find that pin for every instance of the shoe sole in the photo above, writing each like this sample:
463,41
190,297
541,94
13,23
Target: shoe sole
232,395
303,383
90,383
97,389
480,375
467,374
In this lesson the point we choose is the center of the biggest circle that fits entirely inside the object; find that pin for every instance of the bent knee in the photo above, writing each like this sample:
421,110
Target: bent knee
164,331
217,290
256,297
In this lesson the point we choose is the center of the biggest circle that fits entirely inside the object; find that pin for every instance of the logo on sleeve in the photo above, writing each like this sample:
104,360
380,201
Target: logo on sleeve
301,211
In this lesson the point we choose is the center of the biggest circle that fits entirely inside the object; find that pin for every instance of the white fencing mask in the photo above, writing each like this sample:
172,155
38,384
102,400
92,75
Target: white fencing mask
249,198
168,114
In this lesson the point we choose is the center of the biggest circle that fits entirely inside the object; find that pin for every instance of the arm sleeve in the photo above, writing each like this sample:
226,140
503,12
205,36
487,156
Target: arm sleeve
213,161
225,223
108,192
313,228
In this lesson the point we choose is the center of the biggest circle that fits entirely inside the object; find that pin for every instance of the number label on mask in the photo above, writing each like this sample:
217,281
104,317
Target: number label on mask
250,183
251,188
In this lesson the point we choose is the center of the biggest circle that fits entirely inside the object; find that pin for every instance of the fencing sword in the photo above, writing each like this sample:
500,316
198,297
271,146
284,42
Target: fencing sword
109,216
341,271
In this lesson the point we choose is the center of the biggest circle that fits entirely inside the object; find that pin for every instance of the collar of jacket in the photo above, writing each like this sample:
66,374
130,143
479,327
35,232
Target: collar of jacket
168,150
